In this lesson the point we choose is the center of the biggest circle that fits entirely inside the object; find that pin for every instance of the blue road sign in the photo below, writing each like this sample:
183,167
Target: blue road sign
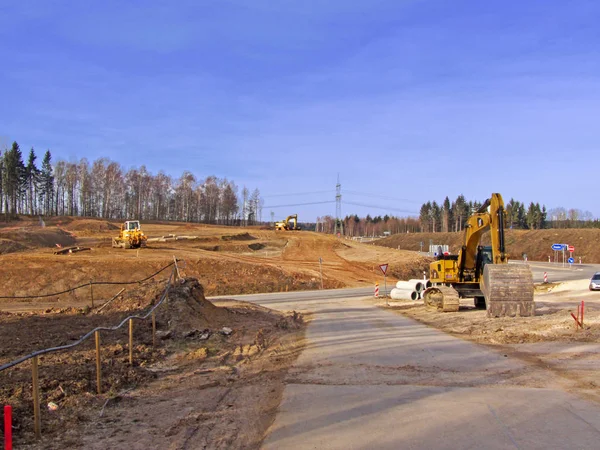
557,247
570,260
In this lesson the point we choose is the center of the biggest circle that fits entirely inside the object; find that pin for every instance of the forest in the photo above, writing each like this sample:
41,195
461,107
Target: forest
104,189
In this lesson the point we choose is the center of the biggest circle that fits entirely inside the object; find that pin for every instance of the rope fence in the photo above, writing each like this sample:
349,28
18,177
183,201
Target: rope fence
174,276
90,283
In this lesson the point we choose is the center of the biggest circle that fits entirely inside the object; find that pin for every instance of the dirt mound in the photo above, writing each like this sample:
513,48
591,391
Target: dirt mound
38,236
91,225
238,237
8,246
187,309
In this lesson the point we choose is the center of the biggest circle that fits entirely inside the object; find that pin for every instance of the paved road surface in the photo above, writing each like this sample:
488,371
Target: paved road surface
369,378
558,272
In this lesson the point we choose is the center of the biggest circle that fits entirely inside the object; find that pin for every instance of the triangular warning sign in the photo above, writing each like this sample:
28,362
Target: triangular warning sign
383,268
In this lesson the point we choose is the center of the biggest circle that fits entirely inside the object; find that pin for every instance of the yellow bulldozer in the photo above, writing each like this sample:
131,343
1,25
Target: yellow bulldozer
482,272
289,224
130,236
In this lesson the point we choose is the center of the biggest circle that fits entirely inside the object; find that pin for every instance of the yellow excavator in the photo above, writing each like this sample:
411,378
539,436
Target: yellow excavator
130,236
290,223
482,272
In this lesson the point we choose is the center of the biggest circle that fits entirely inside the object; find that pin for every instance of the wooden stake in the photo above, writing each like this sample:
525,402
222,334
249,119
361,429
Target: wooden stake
153,328
37,423
92,292
98,365
131,342
178,275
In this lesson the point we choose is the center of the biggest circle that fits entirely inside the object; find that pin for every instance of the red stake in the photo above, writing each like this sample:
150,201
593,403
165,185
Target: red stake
582,306
8,427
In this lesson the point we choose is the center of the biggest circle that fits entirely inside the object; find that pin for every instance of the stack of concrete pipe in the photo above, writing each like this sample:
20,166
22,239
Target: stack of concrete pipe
409,290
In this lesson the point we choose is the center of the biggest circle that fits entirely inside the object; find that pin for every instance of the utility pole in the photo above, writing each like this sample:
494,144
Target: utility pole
272,217
339,226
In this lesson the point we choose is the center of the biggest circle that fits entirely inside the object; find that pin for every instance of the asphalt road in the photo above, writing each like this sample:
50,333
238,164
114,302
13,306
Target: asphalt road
369,378
558,272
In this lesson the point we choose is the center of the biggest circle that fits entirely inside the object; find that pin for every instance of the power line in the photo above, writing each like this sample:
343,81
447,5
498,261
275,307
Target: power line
299,204
387,208
299,193
365,194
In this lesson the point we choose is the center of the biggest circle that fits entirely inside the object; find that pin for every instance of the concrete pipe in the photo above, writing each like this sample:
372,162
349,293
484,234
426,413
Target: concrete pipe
418,285
415,285
427,283
403,294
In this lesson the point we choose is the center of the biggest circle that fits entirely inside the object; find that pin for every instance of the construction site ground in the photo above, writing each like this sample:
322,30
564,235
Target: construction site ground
222,392
231,383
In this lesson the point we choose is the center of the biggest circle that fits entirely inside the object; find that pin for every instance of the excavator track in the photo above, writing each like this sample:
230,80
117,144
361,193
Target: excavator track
442,298
508,290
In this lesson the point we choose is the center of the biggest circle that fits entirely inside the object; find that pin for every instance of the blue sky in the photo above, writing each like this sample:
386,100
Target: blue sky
408,100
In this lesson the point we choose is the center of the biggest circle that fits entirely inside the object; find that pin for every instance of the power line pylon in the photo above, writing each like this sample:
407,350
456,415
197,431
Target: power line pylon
339,226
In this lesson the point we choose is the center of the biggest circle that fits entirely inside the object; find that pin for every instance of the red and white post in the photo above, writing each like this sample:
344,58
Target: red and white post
376,290
8,427
545,277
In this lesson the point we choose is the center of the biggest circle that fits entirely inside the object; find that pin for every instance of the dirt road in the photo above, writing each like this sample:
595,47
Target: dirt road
370,378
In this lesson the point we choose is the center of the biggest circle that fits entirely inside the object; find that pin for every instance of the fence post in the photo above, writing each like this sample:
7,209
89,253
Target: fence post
131,342
37,425
98,365
92,292
177,274
153,328
8,427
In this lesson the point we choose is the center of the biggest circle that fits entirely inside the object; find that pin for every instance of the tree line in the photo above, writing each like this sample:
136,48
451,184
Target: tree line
452,216
104,189
354,225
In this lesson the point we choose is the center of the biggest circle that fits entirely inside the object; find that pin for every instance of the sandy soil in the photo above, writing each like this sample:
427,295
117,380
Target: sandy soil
226,260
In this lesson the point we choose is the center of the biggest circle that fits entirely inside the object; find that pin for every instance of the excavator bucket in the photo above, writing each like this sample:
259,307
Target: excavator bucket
508,290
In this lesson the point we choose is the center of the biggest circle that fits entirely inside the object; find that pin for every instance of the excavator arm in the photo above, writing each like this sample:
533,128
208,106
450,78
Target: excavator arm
490,217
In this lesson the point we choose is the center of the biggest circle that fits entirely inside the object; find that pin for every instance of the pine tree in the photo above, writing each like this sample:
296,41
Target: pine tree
14,171
46,184
32,174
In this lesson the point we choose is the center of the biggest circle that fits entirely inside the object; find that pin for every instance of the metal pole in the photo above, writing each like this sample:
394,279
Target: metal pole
131,342
153,328
37,424
384,286
98,365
